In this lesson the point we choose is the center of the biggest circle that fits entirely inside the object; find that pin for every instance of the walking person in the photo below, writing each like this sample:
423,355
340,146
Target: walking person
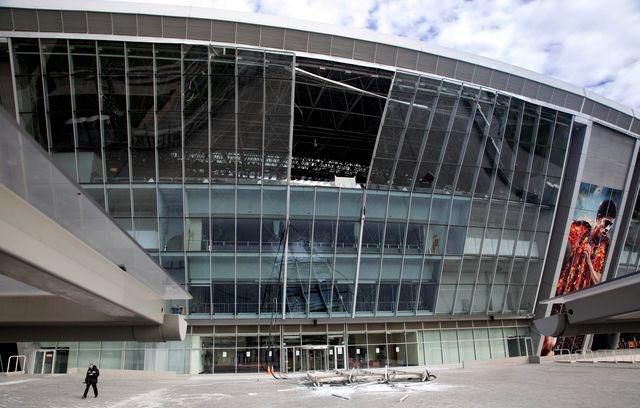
91,380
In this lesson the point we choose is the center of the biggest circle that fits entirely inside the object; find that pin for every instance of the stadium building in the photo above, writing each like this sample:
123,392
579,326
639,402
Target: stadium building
330,198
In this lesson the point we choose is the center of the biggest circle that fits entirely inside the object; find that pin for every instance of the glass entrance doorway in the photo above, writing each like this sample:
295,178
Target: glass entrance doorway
44,362
337,359
293,358
314,358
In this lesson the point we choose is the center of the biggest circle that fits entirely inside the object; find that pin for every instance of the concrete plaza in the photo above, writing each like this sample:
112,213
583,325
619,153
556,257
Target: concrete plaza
549,385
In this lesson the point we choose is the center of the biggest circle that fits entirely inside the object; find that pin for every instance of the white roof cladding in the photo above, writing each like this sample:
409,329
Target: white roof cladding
309,26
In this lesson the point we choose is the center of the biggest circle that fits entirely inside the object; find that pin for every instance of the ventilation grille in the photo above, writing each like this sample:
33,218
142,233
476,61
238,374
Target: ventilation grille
248,34
427,63
199,29
545,93
74,21
573,101
530,88
319,43
25,20
407,58
559,96
6,19
515,84
99,23
272,37
499,80
342,47
464,71
124,24
386,54
446,67
50,21
149,26
174,27
295,40
482,75
223,31
365,51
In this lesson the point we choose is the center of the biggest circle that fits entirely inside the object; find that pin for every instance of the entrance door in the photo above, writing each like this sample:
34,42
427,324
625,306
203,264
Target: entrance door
293,359
314,358
44,362
336,358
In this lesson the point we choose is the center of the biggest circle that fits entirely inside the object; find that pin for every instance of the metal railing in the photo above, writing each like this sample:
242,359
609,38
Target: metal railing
558,355
631,356
19,360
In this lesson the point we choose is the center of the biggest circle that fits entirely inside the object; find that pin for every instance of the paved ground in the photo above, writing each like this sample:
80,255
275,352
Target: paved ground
551,385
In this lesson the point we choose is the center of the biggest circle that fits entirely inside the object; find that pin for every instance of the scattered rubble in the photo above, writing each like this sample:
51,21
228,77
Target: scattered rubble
357,376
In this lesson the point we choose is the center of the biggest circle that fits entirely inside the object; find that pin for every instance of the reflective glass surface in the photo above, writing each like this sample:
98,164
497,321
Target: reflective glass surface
270,183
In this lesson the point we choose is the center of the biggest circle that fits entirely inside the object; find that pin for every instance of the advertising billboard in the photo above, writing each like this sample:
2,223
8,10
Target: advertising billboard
588,246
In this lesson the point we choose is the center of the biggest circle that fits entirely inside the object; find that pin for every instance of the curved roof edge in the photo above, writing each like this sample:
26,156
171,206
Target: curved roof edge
191,12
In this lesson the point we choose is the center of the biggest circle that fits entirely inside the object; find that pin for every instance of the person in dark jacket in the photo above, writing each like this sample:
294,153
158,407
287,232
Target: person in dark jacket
91,380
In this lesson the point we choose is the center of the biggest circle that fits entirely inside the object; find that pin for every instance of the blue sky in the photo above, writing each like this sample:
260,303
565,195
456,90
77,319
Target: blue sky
589,43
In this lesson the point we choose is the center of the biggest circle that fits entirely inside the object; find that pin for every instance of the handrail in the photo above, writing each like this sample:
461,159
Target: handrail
599,356
561,354
17,358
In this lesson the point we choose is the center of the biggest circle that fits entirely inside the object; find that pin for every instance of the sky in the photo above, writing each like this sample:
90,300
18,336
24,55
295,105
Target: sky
590,43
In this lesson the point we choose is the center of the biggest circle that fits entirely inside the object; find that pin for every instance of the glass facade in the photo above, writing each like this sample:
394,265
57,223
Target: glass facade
630,257
246,349
274,187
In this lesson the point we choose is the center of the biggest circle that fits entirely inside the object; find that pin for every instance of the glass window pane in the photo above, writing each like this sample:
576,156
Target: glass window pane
119,201
446,295
198,234
463,299
480,298
249,199
327,203
450,347
223,234
198,268
197,201
174,265
144,201
248,234
201,301
170,201
398,207
408,295
376,207
465,342
419,208
146,232
274,201
171,234
90,166
433,347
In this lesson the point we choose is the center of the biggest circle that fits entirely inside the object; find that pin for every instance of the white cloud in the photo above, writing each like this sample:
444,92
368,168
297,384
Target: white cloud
589,43
335,12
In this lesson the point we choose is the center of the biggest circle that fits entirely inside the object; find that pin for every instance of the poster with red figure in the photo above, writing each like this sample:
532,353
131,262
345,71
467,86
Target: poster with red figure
585,257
